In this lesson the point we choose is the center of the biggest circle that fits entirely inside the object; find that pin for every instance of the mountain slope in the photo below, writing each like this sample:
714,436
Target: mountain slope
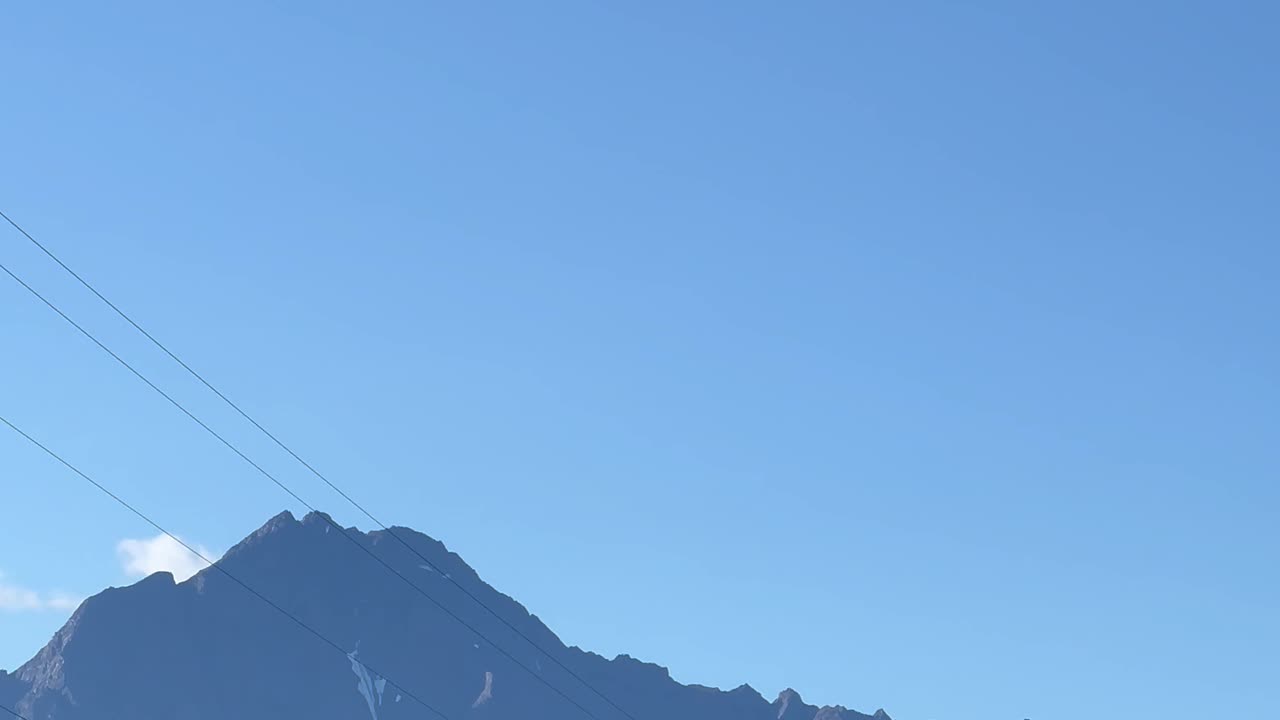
205,649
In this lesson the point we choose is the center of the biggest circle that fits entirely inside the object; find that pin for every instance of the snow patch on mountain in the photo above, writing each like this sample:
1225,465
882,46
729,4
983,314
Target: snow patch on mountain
487,693
369,685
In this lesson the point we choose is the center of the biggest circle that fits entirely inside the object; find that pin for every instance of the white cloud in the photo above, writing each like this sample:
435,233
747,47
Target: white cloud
160,553
62,601
14,598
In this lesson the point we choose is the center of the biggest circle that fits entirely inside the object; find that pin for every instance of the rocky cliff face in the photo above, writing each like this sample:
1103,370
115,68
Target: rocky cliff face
206,649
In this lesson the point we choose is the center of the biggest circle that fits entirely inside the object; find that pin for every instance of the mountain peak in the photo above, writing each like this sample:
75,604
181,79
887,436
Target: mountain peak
315,517
209,650
280,522
281,519
790,706
162,578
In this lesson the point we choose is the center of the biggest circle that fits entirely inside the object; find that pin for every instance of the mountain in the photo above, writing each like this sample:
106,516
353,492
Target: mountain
206,649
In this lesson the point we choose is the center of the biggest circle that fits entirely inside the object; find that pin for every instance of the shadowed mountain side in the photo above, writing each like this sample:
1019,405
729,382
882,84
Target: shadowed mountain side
207,650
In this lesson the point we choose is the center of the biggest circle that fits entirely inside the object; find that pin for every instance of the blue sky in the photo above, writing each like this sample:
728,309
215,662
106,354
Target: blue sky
913,356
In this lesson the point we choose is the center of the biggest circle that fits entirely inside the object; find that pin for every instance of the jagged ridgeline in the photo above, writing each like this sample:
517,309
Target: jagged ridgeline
207,650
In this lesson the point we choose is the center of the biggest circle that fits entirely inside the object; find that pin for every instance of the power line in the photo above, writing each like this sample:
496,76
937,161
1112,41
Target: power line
261,470
14,713
215,566
308,465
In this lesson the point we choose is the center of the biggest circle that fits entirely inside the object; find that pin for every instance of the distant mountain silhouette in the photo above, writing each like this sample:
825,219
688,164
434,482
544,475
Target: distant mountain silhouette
207,650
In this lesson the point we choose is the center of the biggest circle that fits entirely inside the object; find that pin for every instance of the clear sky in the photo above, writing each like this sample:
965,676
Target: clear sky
915,355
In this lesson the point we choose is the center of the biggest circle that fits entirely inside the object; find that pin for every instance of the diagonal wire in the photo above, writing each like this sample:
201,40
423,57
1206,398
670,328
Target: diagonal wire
14,713
376,558
333,486
298,621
